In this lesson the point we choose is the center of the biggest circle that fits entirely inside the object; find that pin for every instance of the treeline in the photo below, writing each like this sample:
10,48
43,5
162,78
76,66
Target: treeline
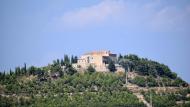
59,84
59,68
152,69
157,74
147,67
40,71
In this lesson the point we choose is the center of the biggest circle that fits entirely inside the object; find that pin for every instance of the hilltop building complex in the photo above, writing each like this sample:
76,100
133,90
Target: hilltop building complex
99,60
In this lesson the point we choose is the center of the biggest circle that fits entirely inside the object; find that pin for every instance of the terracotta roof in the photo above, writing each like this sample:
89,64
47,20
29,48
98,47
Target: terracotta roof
98,53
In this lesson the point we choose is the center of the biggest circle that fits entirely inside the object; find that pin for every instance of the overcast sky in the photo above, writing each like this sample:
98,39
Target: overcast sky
37,31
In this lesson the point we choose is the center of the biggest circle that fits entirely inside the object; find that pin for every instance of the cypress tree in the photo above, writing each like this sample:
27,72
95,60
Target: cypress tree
111,66
72,59
75,59
10,72
58,62
62,62
66,59
25,70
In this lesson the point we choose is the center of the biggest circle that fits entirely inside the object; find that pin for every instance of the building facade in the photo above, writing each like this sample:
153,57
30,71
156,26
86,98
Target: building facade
98,59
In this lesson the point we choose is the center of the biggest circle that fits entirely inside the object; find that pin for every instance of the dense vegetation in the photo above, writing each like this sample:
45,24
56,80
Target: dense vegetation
59,84
152,73
88,89
169,99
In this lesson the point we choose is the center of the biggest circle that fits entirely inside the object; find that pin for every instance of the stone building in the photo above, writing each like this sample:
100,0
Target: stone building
98,59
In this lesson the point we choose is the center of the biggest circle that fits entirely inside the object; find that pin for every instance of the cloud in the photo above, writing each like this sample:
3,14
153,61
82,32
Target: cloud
155,16
170,18
149,15
93,14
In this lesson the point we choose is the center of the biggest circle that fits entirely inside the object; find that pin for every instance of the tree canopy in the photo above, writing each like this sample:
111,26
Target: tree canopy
111,66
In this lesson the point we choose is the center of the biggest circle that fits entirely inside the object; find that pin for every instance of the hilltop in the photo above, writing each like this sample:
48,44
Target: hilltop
141,82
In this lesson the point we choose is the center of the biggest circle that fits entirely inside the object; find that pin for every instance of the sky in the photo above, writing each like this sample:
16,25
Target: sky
36,32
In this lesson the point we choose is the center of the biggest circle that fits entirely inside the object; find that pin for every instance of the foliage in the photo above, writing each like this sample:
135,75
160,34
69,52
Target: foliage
111,66
141,81
70,70
95,89
126,64
151,81
149,67
74,59
66,59
145,81
179,82
167,99
91,69
146,67
35,86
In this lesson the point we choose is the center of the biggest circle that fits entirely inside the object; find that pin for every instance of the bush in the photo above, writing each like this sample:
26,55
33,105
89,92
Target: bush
91,69
141,81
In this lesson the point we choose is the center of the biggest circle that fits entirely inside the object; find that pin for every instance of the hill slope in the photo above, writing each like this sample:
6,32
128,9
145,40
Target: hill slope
59,84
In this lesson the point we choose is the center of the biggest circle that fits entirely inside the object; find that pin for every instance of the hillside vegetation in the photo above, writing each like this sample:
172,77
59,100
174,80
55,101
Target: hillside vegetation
151,73
59,84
